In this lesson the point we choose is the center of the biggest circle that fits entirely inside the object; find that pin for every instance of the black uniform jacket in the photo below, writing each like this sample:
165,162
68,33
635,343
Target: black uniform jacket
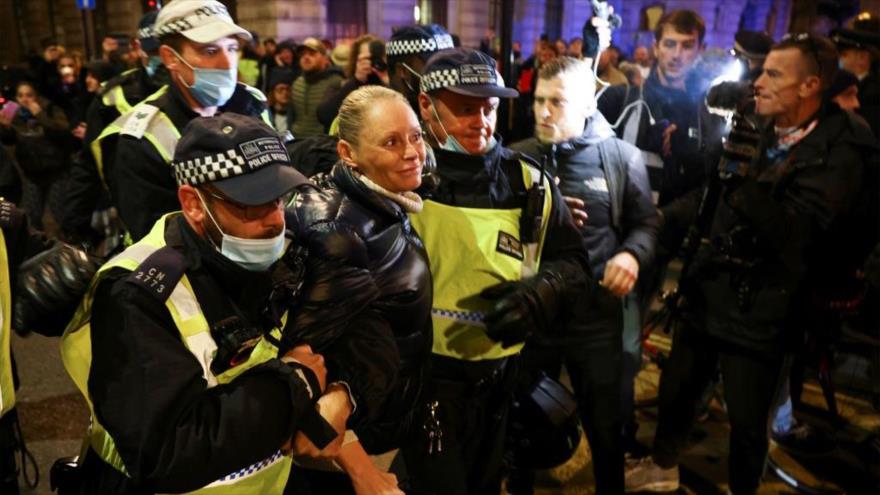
141,183
495,180
173,432
367,298
780,228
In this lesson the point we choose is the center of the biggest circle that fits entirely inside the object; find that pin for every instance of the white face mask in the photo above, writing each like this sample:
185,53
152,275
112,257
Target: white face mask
251,254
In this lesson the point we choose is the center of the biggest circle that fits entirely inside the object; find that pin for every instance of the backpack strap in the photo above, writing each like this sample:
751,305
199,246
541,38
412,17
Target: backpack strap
614,167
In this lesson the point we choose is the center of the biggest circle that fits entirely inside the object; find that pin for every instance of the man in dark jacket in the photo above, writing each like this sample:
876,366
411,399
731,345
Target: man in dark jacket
609,177
319,80
670,125
199,47
775,231
505,259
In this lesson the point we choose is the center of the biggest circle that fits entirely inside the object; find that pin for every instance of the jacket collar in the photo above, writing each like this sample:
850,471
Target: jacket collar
345,179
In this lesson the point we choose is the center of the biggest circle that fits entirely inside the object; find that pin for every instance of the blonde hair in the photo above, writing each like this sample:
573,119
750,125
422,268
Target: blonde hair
355,106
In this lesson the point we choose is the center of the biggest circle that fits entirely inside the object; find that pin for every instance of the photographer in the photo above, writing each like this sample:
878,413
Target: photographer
776,232
366,66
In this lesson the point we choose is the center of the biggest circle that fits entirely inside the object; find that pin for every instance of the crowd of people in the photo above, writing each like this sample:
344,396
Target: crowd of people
269,263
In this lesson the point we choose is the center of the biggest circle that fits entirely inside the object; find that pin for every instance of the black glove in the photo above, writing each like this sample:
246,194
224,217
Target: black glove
522,307
49,288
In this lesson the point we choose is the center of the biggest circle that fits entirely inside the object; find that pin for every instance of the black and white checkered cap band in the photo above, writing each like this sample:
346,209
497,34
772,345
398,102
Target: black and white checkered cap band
409,47
146,32
173,27
210,168
440,79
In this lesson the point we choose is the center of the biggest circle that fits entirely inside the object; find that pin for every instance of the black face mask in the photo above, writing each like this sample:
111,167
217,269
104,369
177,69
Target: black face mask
517,54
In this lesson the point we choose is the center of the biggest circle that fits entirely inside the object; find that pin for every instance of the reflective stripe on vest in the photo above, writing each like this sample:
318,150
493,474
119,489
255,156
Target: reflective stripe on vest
470,249
7,389
115,98
160,132
267,476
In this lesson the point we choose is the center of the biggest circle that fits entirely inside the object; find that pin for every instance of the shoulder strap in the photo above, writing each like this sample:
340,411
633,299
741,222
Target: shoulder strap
614,167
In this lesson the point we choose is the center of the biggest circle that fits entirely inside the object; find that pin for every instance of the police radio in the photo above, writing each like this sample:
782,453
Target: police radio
533,213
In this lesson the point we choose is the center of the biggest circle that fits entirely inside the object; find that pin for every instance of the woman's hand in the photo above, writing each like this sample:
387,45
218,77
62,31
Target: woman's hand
365,476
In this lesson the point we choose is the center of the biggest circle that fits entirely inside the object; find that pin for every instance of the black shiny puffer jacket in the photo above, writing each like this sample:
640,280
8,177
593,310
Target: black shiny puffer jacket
367,273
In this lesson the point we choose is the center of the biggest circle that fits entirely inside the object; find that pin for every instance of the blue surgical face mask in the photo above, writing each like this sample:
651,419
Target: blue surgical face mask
153,64
212,87
251,254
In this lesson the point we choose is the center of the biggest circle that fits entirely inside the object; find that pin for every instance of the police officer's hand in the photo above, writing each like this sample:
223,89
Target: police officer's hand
667,139
335,407
576,208
303,355
522,307
621,273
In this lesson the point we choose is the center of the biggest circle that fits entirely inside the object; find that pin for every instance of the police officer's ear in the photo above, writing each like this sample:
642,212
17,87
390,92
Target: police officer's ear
346,152
169,59
425,105
192,207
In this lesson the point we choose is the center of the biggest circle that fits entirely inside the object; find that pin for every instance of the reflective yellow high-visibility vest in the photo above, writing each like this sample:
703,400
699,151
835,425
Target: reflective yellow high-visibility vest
7,389
267,476
470,249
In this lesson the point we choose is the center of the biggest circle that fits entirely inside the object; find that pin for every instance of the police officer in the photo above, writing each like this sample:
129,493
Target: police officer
173,350
780,229
200,47
407,50
506,260
41,282
860,54
117,96
609,178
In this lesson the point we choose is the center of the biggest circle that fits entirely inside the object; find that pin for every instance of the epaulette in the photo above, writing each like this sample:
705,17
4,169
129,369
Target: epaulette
115,81
159,273
138,120
256,93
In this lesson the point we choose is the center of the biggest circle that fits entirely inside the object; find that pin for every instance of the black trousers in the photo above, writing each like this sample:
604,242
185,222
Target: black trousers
473,400
750,384
595,372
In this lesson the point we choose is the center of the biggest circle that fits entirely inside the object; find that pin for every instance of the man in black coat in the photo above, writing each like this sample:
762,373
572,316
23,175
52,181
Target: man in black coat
608,176
777,230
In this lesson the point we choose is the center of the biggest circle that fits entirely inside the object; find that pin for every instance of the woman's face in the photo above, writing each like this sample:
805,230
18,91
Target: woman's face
391,151
25,95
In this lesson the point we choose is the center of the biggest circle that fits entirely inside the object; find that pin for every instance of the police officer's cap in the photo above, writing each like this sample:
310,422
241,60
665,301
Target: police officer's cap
241,156
464,71
752,44
146,35
418,40
202,21
856,38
